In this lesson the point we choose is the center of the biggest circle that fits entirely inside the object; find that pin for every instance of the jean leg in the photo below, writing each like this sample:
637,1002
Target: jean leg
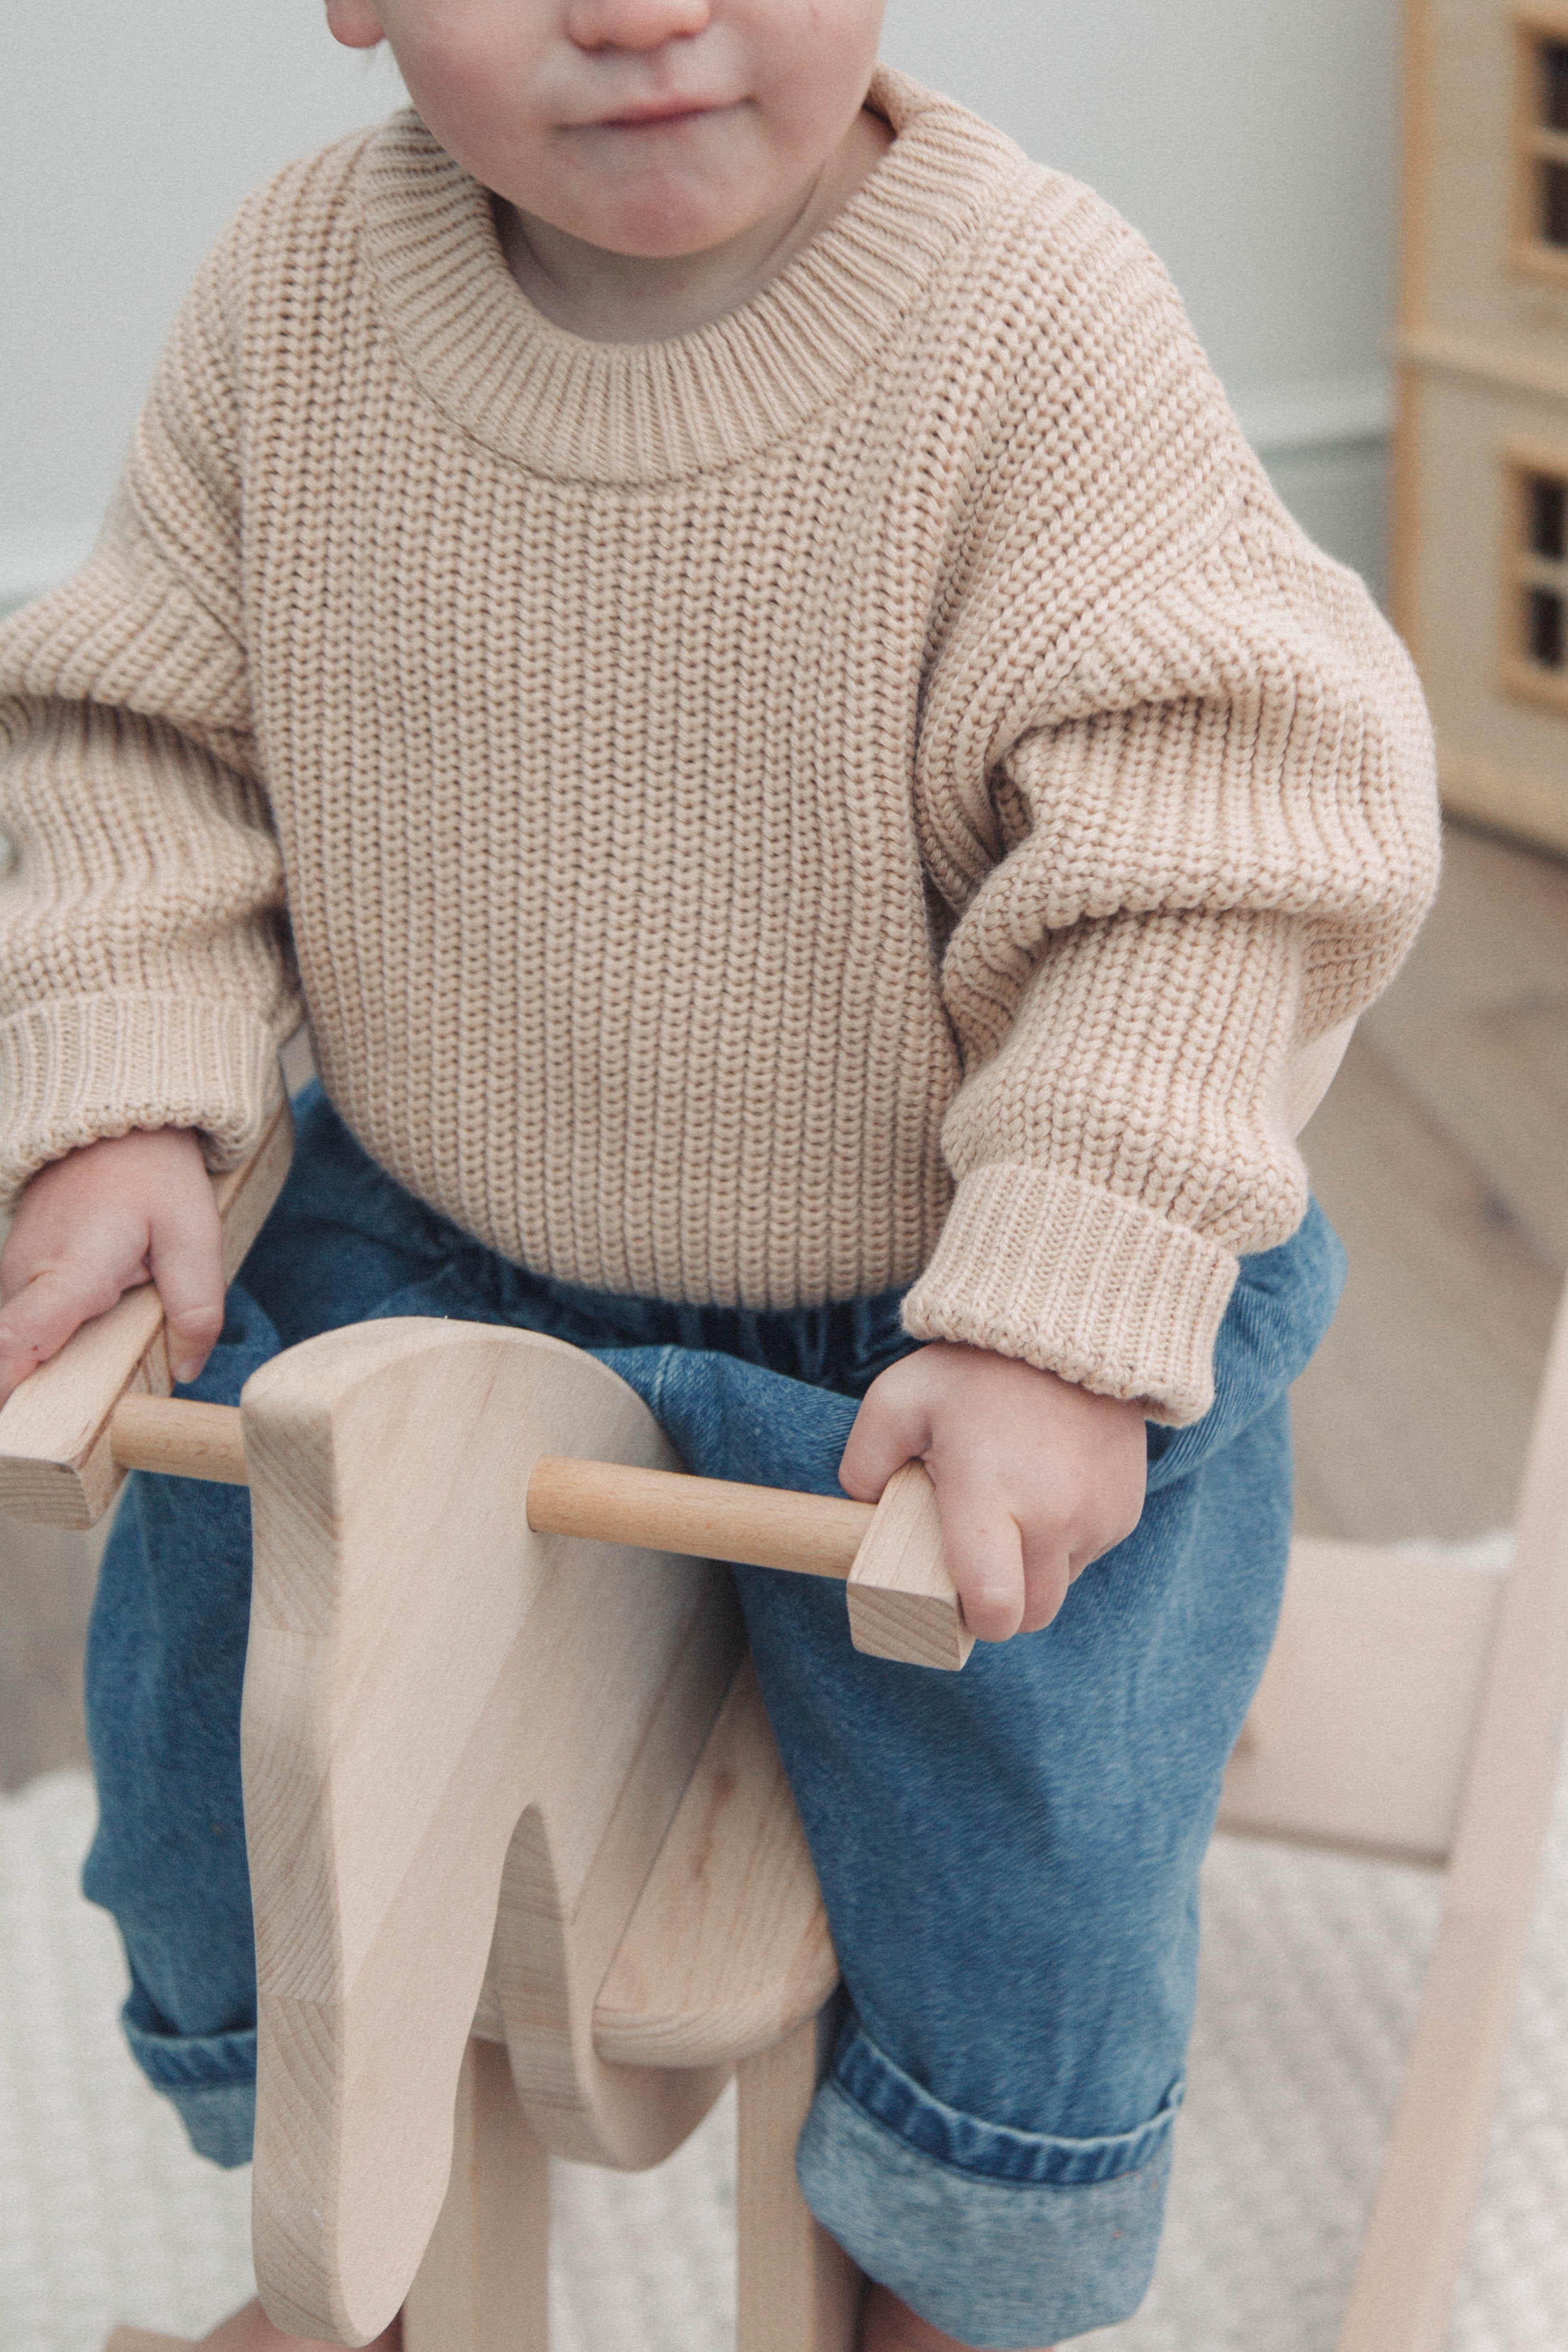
1011,1869
165,1664
1009,1857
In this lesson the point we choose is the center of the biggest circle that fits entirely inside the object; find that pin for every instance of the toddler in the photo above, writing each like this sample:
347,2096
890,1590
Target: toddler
707,624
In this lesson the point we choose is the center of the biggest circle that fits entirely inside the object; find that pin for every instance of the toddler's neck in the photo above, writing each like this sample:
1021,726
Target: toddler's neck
617,298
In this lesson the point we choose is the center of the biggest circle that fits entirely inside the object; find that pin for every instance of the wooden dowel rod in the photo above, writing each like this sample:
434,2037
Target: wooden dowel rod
716,1518
659,1510
180,1438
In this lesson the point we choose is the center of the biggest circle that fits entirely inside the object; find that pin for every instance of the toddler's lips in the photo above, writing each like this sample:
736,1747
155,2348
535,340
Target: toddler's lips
659,117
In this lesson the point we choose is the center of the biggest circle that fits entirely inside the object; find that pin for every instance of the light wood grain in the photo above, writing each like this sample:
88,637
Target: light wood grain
1362,1730
719,1519
47,1578
1412,1419
1528,254
57,1466
902,1603
1439,1154
421,1671
797,2290
1479,1040
1417,2238
483,2284
180,1437
557,1932
1312,1072
1483,366
727,1950
1515,800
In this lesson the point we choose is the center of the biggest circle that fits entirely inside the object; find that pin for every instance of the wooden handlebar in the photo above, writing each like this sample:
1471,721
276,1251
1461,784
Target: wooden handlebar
100,1407
179,1437
611,1502
713,1518
902,1602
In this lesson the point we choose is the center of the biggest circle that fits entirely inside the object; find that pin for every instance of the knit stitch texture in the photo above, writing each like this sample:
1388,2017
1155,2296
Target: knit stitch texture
875,789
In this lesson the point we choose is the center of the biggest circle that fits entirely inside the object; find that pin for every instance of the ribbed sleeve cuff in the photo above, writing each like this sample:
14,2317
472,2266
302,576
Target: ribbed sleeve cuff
73,1071
1033,1264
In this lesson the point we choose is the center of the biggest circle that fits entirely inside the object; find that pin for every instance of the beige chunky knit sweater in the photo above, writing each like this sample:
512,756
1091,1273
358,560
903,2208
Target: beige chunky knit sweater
875,789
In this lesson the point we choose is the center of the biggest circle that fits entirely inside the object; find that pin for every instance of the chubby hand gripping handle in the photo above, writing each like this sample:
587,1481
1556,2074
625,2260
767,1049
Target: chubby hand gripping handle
57,1464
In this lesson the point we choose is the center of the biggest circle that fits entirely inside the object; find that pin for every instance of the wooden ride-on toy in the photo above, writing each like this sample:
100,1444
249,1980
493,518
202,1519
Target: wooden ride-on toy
527,1875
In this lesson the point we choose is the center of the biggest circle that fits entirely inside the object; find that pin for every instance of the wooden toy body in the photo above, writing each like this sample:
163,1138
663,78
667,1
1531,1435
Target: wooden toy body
466,1751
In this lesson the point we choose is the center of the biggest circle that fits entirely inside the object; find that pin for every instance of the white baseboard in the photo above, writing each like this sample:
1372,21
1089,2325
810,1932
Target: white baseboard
1338,492
1281,420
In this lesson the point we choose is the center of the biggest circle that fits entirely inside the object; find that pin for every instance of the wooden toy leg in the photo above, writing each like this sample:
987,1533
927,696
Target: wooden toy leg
482,2286
797,2291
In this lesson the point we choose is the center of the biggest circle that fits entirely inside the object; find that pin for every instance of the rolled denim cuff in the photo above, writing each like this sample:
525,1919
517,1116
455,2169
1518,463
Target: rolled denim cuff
208,2078
1004,2239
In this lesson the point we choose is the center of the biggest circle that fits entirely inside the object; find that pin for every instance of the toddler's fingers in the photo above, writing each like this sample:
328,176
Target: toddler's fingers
890,1429
37,1320
188,1268
1048,1572
985,1560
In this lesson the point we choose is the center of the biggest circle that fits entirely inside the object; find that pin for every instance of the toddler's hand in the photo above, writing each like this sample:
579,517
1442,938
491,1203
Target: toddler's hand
1034,1478
133,1209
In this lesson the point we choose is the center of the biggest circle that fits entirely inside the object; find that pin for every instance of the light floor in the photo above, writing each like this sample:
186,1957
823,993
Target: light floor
1442,1156
1441,1153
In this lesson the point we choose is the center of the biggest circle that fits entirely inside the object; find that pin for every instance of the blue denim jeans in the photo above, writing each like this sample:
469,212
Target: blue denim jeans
1010,1855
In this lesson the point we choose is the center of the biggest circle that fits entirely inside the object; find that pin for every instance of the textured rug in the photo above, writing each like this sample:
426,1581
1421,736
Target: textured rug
1311,1975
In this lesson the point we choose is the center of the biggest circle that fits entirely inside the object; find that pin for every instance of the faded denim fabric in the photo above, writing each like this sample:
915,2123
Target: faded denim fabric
1009,1855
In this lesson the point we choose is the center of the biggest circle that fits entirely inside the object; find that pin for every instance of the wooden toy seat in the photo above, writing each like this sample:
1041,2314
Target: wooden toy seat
527,1875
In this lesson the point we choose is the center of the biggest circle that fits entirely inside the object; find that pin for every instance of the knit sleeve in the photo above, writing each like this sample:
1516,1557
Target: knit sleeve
146,974
1213,843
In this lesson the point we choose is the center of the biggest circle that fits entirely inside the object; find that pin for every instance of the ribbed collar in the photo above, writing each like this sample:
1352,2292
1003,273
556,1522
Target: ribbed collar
646,413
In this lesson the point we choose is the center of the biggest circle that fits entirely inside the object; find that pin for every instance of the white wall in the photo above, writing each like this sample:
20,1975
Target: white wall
132,130
1252,141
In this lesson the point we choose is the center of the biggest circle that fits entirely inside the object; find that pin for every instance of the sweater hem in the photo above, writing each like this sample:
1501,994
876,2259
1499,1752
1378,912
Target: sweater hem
78,1072
1077,1281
